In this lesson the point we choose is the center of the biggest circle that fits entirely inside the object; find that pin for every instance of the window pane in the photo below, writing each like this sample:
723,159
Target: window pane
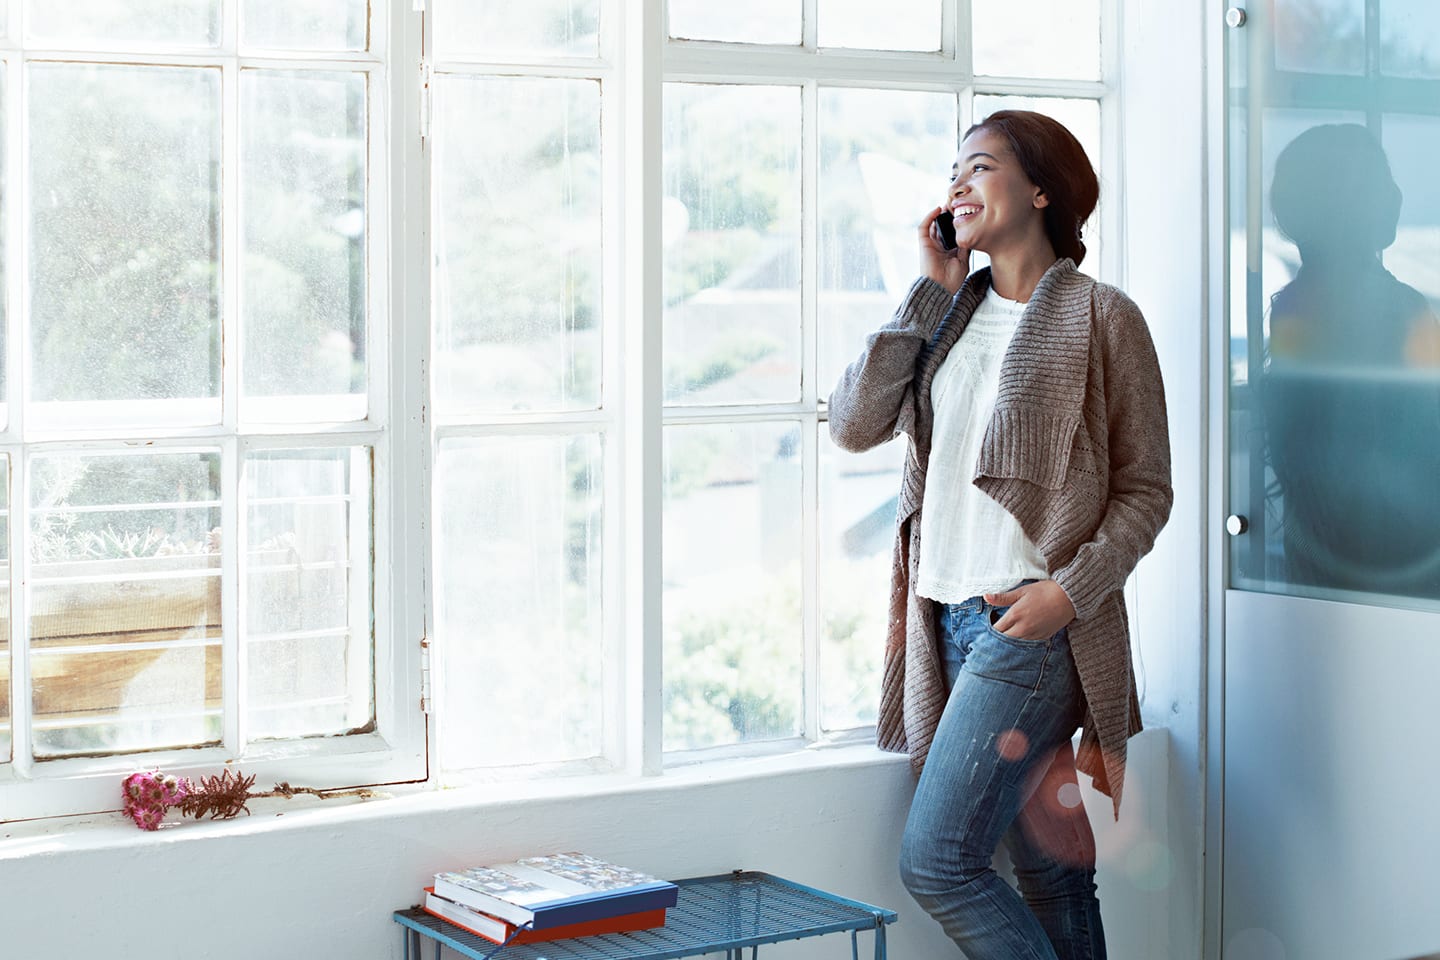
732,622
885,159
1321,36
858,494
4,247
5,729
1036,38
303,315
518,599
865,24
1410,38
123,22
732,260
517,242
124,239
306,584
1082,118
740,21
554,28
124,602
306,24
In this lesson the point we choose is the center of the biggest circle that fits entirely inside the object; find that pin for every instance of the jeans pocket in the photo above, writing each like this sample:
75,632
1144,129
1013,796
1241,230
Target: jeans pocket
993,616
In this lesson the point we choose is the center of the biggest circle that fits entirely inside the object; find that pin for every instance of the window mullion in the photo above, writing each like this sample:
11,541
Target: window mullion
809,392
642,390
232,542
810,24
958,33
21,701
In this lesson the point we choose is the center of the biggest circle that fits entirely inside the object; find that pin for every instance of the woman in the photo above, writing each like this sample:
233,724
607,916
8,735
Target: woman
1038,475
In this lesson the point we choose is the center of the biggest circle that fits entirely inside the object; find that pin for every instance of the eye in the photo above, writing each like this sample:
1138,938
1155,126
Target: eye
980,166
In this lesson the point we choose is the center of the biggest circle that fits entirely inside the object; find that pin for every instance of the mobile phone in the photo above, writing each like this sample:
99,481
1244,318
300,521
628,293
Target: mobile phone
945,222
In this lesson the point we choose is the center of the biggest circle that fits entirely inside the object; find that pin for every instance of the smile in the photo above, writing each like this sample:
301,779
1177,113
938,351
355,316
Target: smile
965,211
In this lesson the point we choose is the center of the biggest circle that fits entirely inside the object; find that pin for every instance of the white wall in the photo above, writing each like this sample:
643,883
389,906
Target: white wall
305,879
1164,159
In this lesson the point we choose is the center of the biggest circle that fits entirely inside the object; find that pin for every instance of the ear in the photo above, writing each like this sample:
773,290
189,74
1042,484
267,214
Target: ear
1041,201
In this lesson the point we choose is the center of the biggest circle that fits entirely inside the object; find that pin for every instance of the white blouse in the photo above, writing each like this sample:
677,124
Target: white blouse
969,544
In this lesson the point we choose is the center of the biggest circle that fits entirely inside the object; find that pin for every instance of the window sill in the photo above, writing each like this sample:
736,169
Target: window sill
107,831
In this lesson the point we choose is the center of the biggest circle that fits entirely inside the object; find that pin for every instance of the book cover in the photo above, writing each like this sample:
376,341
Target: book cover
555,890
499,931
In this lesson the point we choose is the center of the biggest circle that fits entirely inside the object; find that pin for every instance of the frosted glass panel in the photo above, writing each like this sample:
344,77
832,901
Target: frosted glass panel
738,21
1410,39
732,584
517,245
306,583
1320,36
304,264
858,496
514,28
306,24
1037,38
118,23
125,238
885,159
732,250
520,627
124,593
865,24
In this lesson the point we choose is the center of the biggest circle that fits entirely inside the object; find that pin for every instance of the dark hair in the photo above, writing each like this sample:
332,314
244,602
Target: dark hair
1056,163
1329,161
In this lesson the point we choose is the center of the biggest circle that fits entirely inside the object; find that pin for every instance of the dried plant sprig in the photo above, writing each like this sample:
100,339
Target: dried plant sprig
149,794
220,797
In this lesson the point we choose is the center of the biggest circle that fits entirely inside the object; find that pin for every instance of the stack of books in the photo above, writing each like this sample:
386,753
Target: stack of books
549,898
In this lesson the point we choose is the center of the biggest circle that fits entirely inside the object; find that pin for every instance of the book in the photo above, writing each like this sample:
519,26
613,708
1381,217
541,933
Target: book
555,890
499,931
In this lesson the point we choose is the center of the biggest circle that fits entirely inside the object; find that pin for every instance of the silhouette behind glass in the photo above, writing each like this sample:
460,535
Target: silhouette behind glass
1350,401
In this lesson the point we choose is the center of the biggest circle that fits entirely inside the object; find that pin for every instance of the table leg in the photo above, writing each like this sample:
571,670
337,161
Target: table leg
880,942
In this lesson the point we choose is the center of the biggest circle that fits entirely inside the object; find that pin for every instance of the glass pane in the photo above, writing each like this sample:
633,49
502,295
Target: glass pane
306,583
1082,118
306,24
739,21
116,23
541,28
1410,38
865,24
518,599
732,253
1036,38
304,267
517,245
5,729
858,496
1320,36
124,593
885,158
1336,425
124,241
732,584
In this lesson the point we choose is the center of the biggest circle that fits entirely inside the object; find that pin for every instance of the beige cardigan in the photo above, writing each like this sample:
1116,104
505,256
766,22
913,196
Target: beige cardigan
1078,451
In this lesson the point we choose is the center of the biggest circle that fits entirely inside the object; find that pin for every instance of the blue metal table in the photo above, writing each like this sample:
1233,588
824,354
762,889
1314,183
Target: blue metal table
728,912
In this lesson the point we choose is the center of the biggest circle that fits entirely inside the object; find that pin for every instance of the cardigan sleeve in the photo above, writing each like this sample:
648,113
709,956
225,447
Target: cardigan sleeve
1140,495
865,405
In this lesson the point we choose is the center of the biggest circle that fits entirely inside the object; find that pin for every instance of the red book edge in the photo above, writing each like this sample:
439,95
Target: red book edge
624,923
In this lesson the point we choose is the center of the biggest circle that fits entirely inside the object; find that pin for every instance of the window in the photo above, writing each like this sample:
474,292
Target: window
335,327
196,395
798,145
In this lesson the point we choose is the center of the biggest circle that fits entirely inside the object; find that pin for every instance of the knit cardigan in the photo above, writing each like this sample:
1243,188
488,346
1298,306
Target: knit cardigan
1077,450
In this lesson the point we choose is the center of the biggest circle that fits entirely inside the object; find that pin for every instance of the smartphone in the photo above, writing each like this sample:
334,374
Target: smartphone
945,222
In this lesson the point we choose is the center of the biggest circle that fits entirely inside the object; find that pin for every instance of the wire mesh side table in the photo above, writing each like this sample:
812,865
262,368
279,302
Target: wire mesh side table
729,913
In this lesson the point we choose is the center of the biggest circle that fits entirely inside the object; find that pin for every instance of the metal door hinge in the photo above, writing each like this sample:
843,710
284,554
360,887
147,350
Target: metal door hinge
426,697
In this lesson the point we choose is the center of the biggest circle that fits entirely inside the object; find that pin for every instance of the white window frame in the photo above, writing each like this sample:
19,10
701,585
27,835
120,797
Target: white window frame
637,58
396,750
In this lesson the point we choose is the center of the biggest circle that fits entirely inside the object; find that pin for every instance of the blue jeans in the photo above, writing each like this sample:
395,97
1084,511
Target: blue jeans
1001,766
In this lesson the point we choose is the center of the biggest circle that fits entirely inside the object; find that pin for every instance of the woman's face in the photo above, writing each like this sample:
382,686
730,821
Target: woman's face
993,201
